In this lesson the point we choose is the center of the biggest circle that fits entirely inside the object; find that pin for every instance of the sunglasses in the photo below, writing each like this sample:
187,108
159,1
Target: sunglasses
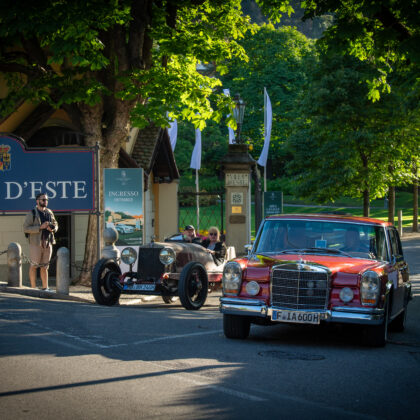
43,199
212,233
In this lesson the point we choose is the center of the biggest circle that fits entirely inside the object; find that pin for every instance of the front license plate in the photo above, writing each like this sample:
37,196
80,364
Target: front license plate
145,287
296,316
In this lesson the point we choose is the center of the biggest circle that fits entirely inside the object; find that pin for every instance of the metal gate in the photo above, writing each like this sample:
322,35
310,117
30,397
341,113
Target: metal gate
210,211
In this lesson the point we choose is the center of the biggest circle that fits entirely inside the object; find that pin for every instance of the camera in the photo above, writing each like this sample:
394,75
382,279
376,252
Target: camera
51,225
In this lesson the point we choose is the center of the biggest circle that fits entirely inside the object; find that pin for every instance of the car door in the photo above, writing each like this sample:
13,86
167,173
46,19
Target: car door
399,270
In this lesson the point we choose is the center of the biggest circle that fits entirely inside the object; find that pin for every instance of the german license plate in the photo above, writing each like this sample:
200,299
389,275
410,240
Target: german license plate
298,317
150,287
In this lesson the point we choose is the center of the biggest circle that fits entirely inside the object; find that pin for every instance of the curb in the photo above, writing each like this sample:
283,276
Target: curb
27,291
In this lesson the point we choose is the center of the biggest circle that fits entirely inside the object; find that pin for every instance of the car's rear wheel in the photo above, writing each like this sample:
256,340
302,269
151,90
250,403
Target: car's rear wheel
236,326
376,335
193,286
169,299
103,289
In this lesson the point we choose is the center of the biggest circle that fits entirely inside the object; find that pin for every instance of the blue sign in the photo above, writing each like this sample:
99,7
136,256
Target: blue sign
65,175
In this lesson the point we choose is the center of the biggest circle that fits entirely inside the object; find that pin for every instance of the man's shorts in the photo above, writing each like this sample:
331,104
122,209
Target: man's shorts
39,255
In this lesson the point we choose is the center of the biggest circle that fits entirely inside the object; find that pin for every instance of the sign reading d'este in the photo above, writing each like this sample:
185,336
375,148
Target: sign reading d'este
65,175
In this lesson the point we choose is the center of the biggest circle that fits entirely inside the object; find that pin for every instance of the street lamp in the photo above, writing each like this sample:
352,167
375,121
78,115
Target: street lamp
238,114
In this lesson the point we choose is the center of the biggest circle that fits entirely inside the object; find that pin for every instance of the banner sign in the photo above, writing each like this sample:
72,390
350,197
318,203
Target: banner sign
123,200
65,175
273,203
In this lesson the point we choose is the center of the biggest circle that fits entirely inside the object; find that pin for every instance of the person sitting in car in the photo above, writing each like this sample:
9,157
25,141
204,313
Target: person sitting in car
189,234
215,246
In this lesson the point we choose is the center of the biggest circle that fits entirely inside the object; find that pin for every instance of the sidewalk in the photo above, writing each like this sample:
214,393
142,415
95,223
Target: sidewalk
410,242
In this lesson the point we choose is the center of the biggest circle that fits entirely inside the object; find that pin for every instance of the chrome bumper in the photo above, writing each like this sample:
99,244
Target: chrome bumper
257,308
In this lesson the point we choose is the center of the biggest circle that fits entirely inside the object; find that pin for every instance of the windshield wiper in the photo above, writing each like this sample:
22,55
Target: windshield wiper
326,251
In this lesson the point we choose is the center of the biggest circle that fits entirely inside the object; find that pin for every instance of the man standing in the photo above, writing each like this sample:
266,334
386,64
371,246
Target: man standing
40,225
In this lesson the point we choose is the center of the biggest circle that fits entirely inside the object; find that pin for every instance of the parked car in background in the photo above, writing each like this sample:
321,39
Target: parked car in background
122,228
312,269
169,269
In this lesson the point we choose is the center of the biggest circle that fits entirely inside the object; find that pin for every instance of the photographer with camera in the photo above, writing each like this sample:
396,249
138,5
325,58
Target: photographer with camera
39,226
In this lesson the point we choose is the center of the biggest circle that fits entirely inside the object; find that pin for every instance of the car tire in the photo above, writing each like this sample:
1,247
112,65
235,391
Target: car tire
169,299
193,286
398,323
103,290
376,335
236,326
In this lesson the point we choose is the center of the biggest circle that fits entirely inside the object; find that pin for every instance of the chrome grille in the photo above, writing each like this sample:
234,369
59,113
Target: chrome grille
300,288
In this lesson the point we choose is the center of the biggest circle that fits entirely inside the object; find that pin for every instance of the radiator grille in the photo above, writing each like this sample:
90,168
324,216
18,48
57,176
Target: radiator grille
299,289
149,267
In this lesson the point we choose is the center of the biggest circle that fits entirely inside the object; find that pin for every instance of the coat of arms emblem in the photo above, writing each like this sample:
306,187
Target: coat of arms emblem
5,158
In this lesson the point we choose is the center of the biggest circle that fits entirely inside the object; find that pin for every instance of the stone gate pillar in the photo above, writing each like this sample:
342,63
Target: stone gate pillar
237,166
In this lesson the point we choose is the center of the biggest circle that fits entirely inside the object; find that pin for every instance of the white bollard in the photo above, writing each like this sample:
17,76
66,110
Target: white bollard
14,264
400,229
62,275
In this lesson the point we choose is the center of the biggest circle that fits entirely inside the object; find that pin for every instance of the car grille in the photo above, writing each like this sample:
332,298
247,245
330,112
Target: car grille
149,266
300,288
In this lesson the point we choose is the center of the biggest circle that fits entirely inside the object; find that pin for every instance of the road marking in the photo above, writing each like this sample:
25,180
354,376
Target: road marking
167,337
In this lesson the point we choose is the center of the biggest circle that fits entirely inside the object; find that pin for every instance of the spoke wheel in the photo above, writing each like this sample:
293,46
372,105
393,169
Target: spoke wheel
193,286
103,289
169,299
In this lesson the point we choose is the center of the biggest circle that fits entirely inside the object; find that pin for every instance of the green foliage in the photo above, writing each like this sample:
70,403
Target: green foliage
278,59
344,144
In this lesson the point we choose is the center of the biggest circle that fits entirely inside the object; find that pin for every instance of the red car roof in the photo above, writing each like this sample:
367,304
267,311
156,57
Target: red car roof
335,217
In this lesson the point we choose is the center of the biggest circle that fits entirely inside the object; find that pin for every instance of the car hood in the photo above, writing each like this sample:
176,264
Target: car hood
334,264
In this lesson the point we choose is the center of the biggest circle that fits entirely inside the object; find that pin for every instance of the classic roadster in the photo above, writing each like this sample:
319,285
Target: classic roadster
169,269
312,269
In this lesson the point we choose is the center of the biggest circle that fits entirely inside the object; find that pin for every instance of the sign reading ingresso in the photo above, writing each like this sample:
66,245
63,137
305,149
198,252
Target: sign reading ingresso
65,175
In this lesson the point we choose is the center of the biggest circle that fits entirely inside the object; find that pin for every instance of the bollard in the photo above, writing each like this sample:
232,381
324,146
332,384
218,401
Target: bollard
14,263
110,250
62,275
400,229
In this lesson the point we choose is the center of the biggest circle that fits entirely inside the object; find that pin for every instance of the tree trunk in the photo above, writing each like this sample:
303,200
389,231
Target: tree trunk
111,140
391,204
415,200
366,201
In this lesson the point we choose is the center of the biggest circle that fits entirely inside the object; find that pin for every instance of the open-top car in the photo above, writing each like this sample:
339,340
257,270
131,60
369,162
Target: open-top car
169,269
312,269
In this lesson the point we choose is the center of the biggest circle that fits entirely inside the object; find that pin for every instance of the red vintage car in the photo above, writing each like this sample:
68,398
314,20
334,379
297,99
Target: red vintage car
312,269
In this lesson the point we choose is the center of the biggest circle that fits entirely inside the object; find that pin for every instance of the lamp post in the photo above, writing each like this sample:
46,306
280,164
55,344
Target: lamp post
238,114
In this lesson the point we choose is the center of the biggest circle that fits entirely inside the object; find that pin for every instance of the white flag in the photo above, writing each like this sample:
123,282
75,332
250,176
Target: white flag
230,130
196,154
268,118
173,133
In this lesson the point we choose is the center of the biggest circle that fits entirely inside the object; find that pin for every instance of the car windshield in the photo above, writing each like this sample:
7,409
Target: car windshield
322,237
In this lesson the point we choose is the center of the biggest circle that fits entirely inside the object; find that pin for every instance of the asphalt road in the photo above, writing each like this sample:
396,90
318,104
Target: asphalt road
63,360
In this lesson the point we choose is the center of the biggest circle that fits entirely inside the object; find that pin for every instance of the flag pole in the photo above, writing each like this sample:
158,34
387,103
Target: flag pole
197,189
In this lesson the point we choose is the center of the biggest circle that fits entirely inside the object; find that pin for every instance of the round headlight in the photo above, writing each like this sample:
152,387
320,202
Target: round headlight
128,256
167,256
252,288
346,294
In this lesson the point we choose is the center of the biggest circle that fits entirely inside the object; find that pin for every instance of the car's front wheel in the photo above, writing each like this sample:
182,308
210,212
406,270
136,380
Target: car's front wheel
193,286
376,335
103,289
398,323
236,326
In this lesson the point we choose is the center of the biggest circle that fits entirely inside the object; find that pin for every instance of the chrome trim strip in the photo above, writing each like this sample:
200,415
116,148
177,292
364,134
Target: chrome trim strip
255,308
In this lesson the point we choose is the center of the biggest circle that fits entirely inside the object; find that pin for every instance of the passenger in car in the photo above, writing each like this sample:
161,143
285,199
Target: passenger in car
353,242
189,233
215,246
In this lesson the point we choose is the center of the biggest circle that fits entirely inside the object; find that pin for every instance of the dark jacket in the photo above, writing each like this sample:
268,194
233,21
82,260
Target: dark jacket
219,251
